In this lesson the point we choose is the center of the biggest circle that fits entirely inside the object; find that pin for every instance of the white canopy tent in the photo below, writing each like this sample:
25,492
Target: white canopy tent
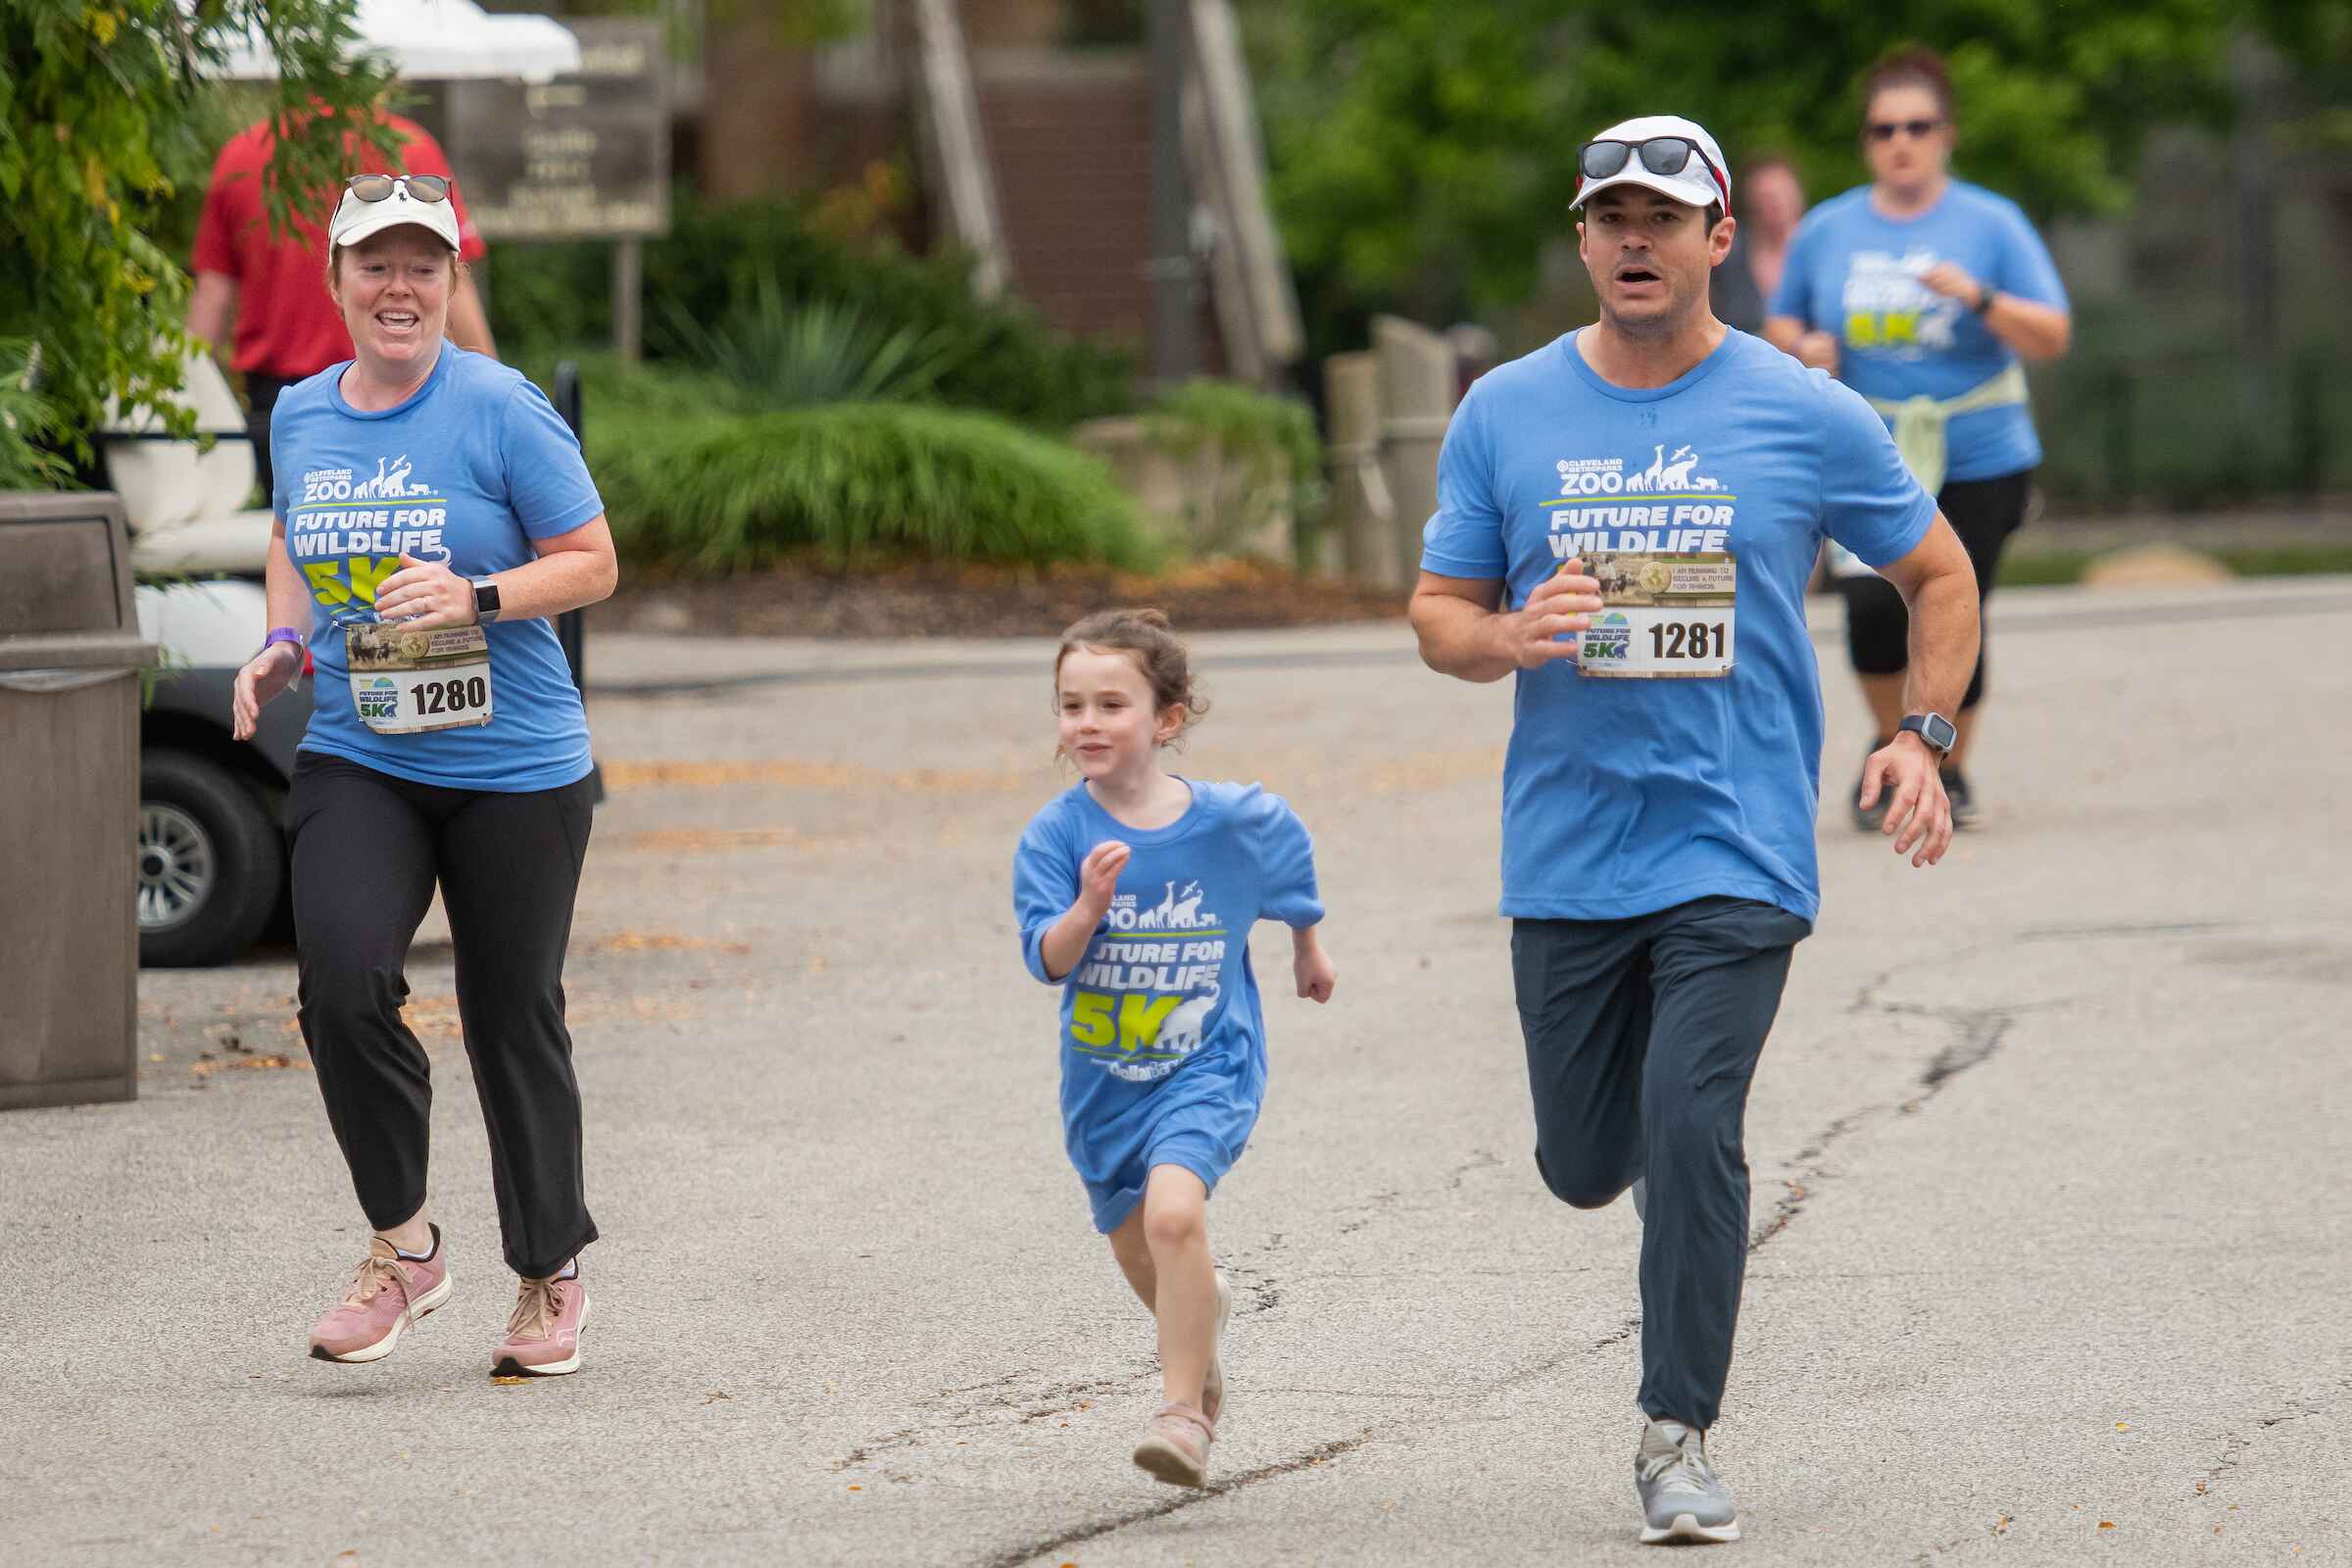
440,40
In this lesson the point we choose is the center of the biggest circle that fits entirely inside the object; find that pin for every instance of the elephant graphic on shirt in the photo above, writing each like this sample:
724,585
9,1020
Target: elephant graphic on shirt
1180,1031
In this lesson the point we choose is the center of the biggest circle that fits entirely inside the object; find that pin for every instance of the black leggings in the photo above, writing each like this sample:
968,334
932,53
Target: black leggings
367,849
1983,512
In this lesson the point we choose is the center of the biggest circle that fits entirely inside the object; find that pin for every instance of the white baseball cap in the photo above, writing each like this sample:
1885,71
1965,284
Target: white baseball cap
356,219
1701,180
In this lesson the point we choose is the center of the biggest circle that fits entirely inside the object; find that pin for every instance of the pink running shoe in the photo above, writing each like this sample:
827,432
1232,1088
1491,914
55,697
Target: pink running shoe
388,1293
543,1336
1175,1446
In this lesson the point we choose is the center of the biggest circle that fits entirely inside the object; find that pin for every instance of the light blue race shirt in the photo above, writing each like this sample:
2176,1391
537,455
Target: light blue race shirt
1855,274
1164,1038
471,469
1623,797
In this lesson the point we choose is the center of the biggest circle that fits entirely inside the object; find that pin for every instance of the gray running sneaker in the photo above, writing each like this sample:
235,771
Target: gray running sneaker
1682,1498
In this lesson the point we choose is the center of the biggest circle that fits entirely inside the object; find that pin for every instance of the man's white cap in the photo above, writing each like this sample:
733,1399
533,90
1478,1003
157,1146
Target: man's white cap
1695,183
356,219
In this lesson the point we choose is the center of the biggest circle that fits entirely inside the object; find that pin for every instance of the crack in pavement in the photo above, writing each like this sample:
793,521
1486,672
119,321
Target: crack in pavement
2239,1443
1061,1399
2127,928
1386,1201
1800,1187
1014,1556
1979,1032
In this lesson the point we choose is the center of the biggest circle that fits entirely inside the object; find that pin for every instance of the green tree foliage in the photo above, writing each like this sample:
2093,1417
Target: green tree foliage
1423,151
106,114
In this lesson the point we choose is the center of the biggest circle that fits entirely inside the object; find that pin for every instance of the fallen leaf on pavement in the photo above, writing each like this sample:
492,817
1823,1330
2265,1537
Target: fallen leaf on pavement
268,1064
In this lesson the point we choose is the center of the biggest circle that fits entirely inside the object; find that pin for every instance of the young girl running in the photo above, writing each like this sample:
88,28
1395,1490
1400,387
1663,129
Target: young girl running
1135,891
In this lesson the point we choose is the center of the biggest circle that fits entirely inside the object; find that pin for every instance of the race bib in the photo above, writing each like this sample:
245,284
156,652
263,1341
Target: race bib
1664,616
408,682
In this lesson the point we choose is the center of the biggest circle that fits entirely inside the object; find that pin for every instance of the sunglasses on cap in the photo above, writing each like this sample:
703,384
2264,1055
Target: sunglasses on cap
380,188
1885,129
1660,154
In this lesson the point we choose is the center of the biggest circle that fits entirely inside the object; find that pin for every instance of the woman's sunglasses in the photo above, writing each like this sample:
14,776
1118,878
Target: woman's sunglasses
1885,129
1660,154
380,188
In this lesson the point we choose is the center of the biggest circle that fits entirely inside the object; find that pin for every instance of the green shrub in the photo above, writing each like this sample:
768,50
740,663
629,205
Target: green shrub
552,298
860,480
780,355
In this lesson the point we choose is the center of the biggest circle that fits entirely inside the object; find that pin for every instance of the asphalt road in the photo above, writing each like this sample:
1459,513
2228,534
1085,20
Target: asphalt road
2051,1194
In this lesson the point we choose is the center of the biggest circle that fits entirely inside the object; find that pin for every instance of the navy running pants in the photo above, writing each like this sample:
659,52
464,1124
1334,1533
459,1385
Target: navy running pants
1643,1036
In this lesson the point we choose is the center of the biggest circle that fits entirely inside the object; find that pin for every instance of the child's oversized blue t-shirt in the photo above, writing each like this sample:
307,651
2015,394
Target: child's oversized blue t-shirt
477,464
1625,797
1162,1009
1854,273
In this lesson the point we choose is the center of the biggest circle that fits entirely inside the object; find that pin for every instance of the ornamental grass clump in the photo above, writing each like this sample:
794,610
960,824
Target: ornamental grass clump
859,481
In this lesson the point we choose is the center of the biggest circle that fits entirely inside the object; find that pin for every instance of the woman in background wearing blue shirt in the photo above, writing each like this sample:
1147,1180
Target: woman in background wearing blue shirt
432,514
1922,292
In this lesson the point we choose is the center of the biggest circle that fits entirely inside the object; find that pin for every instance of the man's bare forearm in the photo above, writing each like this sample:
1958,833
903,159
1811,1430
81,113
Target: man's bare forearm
1459,638
1944,632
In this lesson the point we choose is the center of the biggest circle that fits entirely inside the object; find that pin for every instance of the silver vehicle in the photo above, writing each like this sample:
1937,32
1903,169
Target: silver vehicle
212,838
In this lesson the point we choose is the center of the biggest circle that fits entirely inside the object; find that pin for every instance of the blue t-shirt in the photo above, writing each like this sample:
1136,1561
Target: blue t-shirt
1623,797
476,463
1163,1037
1854,273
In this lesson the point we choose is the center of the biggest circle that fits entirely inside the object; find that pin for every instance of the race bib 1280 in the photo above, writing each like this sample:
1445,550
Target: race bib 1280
408,682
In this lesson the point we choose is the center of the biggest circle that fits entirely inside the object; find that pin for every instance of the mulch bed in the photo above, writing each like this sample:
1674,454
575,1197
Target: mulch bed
932,598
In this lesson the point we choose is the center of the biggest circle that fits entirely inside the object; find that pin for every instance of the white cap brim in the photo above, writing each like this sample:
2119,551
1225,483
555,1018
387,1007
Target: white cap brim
1699,192
356,221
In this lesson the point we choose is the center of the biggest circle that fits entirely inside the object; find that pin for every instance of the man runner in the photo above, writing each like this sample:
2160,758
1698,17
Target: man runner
1626,519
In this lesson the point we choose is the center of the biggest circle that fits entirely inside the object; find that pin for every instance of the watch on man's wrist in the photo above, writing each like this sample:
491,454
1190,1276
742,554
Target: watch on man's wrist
485,601
1986,295
1933,728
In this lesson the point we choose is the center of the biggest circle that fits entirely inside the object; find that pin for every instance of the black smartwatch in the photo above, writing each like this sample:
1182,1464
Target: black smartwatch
1933,728
1984,298
485,601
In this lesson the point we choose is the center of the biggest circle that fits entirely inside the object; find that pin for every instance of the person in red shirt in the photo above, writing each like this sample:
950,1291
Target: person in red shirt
271,287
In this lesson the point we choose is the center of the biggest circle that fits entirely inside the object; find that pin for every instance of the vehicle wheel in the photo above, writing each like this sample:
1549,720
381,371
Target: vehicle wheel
209,862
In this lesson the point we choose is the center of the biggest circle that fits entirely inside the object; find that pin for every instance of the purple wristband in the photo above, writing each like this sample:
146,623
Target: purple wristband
279,634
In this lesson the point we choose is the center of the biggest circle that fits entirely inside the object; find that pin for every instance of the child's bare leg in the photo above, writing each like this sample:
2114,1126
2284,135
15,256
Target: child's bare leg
1134,1256
1184,1282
